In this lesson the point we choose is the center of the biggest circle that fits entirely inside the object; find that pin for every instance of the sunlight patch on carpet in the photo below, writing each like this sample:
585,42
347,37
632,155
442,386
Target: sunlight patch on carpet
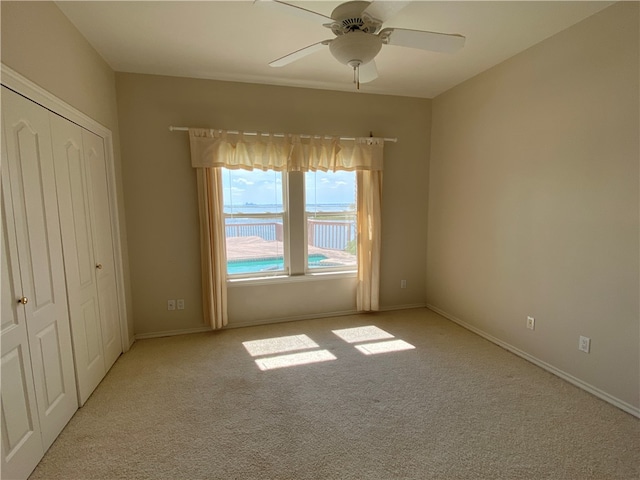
296,350
362,334
270,346
294,359
384,347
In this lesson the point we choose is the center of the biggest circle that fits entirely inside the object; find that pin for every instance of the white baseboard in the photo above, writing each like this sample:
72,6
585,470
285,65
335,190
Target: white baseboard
171,333
294,318
319,315
622,405
204,328
403,307
268,321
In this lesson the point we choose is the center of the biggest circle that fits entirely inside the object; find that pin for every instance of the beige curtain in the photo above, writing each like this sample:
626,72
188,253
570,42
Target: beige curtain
213,149
217,148
369,231
212,247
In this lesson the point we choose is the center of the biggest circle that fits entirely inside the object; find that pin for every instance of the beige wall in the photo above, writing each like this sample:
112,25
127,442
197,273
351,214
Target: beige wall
160,191
41,44
533,201
533,197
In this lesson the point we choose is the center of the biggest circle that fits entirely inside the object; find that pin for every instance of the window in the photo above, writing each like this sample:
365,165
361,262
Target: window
260,221
254,222
331,220
212,151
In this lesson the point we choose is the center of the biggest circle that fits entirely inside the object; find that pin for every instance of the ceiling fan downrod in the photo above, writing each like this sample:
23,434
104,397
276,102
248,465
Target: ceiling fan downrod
356,73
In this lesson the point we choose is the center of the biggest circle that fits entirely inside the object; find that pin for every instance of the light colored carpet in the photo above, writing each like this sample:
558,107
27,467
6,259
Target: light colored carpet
454,407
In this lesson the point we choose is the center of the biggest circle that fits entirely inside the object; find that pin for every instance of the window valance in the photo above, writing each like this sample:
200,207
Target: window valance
293,153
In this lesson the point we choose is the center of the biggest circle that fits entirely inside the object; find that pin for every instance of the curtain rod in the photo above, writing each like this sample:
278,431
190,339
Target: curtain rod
235,132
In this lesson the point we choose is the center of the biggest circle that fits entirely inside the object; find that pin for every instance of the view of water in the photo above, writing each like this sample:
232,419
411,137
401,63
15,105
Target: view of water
239,210
273,208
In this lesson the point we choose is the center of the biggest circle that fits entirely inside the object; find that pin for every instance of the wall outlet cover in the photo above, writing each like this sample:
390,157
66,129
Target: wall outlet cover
584,344
531,323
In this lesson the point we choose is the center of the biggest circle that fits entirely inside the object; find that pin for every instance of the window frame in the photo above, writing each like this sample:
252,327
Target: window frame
290,272
348,269
286,270
309,270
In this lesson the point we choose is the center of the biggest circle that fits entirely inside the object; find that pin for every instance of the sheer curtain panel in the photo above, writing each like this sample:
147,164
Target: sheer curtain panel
369,202
212,247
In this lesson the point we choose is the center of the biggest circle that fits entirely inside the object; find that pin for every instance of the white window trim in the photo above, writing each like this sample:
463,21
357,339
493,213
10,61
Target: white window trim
296,263
285,237
280,279
285,270
313,271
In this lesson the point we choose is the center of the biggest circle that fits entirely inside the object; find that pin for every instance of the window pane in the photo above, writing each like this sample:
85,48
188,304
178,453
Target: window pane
252,191
254,226
331,219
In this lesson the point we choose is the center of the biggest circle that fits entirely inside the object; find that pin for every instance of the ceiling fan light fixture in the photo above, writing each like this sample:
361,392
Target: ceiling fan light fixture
357,26
354,47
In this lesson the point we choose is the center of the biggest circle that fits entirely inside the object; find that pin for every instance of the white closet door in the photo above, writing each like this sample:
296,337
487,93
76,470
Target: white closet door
79,258
21,439
104,256
35,206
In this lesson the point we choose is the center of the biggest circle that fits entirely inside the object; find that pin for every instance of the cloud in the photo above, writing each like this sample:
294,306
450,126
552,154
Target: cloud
243,181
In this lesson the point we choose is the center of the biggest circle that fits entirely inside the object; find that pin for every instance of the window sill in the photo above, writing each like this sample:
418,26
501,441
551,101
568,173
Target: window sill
279,279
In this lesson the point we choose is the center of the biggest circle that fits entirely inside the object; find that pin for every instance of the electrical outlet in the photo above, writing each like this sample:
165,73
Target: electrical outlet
403,284
180,304
584,344
531,323
171,304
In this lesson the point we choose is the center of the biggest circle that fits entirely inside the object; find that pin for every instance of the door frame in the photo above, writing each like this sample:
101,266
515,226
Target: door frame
25,87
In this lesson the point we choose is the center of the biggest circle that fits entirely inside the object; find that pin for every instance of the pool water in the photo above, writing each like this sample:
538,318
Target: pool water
270,264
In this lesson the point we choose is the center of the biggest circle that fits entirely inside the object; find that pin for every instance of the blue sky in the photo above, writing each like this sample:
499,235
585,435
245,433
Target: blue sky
265,188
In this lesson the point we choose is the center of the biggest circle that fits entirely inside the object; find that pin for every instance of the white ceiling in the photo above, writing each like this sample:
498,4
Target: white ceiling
235,40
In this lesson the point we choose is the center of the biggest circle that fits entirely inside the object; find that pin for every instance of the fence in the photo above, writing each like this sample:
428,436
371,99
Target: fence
329,234
266,230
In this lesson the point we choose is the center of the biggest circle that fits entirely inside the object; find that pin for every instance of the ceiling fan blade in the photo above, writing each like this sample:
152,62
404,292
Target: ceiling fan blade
385,10
294,10
298,54
368,72
432,41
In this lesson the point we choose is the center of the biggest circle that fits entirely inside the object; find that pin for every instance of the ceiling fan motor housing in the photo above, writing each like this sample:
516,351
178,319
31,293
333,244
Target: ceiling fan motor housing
351,16
355,48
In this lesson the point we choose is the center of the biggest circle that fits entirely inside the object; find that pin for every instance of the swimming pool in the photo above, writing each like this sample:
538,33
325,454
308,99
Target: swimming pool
269,264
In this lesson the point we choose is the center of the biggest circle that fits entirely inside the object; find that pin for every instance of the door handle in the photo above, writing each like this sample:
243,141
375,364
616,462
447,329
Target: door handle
23,300
99,266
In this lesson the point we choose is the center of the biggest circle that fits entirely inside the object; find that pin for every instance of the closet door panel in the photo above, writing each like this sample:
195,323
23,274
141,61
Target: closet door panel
111,322
31,172
101,218
74,202
21,440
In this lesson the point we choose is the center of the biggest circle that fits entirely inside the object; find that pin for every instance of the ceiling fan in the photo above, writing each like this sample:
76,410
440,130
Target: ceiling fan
357,26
